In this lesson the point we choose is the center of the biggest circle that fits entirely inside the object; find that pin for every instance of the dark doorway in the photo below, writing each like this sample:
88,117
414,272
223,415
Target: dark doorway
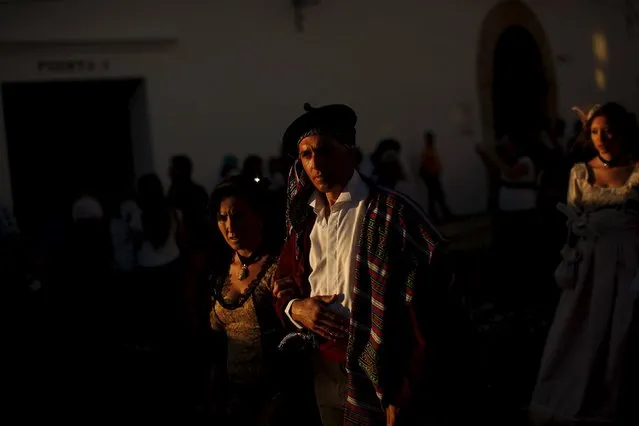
520,89
63,137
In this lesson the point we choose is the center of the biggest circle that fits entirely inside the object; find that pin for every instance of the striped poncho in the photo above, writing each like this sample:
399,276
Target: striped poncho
386,345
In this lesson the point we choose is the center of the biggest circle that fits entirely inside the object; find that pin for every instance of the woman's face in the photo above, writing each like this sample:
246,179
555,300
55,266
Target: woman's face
240,226
604,141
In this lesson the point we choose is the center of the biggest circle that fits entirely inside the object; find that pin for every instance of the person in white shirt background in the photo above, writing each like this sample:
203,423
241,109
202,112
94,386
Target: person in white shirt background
515,221
122,233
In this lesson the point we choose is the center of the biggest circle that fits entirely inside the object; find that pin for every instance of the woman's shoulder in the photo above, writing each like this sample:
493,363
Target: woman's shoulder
633,180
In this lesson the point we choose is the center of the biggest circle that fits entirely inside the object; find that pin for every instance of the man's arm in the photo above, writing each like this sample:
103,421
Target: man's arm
296,308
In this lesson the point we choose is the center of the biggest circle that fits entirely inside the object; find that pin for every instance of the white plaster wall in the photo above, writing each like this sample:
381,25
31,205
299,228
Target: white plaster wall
240,73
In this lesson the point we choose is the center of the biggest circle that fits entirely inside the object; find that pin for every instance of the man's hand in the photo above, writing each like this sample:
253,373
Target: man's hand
313,313
283,287
391,415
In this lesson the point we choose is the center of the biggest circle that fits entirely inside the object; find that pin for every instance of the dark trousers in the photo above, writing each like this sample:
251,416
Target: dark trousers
435,196
515,248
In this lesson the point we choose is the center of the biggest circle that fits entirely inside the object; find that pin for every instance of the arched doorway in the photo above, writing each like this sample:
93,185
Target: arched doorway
512,48
520,90
515,75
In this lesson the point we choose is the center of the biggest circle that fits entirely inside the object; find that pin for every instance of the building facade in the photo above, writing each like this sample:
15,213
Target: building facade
226,76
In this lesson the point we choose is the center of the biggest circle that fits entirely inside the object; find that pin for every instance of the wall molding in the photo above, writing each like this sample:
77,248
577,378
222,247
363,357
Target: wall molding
137,44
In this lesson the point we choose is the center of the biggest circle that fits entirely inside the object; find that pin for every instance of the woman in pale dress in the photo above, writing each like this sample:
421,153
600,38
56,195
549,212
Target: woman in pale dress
587,370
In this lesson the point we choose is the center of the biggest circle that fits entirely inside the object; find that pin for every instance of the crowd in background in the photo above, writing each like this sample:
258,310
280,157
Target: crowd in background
120,294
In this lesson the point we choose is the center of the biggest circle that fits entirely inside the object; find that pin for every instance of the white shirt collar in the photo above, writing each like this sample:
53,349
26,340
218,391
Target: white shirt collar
355,191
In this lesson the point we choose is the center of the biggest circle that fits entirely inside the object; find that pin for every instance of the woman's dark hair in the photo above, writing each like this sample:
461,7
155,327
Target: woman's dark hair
240,187
156,213
257,198
620,121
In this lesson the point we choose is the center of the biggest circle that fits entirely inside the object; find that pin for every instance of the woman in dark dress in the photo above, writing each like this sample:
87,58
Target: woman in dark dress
250,384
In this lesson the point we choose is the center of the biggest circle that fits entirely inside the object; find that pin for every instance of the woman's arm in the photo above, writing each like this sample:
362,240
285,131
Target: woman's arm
574,193
491,158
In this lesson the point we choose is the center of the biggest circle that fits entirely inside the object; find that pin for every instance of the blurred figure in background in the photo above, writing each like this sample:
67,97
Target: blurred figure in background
23,345
376,167
230,167
553,188
91,251
276,174
158,255
514,223
158,297
277,196
430,170
191,200
387,167
572,147
86,206
253,168
122,234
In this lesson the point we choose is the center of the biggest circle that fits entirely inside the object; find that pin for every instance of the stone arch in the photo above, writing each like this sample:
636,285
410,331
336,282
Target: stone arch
504,15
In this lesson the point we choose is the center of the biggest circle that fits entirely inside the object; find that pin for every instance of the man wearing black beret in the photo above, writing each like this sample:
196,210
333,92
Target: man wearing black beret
364,262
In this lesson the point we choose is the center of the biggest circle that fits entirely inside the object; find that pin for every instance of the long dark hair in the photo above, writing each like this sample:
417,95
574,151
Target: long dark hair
621,123
157,216
257,198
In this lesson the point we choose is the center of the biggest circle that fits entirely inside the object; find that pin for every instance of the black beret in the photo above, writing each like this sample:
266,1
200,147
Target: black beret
335,119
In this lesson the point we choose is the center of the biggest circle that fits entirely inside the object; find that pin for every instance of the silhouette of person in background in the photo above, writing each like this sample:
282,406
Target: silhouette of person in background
388,169
277,181
191,200
514,223
230,167
253,168
430,170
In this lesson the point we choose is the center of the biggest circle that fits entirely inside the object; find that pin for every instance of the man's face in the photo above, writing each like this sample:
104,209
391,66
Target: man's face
328,163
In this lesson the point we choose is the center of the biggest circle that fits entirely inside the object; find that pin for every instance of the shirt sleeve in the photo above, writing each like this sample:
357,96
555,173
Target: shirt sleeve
574,192
287,311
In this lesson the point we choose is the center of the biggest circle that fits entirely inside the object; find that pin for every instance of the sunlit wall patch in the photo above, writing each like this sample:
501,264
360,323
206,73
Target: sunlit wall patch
600,78
600,52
